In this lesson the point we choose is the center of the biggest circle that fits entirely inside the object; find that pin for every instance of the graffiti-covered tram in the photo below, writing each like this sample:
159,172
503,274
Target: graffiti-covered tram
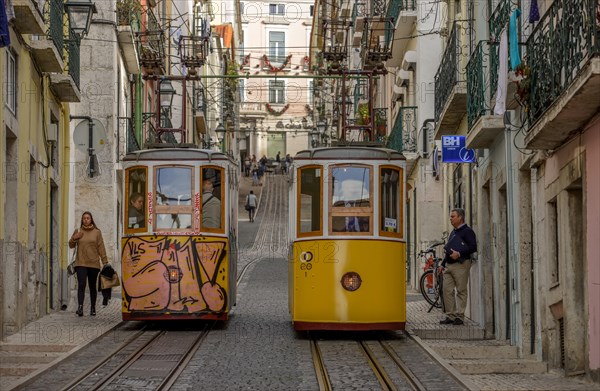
347,259
179,243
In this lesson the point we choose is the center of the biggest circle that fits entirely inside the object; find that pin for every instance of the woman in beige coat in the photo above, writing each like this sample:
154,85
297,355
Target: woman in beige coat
90,253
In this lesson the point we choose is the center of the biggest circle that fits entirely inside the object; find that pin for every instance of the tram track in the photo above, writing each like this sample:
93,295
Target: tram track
385,364
153,359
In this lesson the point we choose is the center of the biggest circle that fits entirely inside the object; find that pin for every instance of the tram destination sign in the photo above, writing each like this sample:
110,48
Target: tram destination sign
454,150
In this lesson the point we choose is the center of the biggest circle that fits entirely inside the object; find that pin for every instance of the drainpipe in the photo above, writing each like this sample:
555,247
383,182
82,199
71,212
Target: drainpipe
514,307
536,326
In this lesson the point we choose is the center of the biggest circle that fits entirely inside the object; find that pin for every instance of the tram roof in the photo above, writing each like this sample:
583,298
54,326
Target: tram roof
350,153
176,154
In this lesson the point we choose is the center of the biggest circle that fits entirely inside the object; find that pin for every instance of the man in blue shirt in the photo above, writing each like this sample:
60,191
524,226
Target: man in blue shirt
461,244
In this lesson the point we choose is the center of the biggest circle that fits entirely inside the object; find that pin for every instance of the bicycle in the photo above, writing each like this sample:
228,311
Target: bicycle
432,280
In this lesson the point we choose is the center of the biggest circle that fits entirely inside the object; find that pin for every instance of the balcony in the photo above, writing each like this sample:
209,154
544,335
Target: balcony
66,85
403,137
128,46
404,14
483,127
450,83
28,18
46,56
563,54
47,51
152,45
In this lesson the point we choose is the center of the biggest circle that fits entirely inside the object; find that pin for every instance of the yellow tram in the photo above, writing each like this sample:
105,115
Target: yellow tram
179,244
347,259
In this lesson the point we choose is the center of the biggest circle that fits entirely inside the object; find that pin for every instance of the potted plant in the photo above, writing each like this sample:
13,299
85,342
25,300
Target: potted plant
128,11
363,114
523,81
380,123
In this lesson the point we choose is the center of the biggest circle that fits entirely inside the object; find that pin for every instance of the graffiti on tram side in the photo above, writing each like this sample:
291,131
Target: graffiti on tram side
174,274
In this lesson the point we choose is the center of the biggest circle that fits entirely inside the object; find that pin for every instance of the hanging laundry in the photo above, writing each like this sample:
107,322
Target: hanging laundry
534,12
4,33
515,57
500,106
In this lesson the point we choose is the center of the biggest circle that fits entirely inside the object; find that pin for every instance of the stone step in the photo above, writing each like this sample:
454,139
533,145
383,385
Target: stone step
16,369
446,332
476,351
35,348
29,357
507,366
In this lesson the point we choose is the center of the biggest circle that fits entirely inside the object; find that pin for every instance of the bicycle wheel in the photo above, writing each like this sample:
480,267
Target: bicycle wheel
440,289
430,292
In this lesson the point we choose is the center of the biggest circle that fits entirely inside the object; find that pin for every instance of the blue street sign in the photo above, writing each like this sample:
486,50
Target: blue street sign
454,151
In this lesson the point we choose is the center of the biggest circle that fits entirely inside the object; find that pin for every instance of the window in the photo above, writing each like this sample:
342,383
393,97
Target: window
312,9
276,91
136,193
311,93
212,194
309,200
242,7
350,202
276,9
391,202
173,198
277,46
11,82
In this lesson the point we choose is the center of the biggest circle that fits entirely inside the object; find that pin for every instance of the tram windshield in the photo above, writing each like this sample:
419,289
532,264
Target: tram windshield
351,208
173,189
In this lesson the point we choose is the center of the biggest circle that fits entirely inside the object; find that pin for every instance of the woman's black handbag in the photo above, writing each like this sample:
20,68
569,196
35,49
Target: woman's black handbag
71,265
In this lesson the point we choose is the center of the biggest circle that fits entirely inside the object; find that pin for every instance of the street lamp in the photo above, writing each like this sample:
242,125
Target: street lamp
166,92
80,16
322,126
220,131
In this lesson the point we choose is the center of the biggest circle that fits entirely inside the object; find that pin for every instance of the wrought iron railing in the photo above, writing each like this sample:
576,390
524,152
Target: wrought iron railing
152,41
497,22
561,45
358,10
477,94
55,28
450,74
378,7
393,11
126,127
403,137
74,57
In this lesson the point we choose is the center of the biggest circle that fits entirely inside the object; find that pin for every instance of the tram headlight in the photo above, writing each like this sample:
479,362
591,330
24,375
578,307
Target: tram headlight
173,274
351,281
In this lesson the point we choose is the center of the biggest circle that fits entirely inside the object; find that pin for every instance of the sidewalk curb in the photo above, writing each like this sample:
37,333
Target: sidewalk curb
459,377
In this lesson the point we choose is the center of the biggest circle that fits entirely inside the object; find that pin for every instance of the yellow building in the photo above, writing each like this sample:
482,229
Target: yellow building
40,69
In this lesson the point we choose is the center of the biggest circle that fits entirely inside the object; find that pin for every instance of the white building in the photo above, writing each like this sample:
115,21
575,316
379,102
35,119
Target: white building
276,103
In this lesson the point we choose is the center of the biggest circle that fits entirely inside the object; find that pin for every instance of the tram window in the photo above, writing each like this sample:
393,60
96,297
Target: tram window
350,224
136,193
351,186
174,186
173,203
309,200
173,221
211,180
390,198
351,209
